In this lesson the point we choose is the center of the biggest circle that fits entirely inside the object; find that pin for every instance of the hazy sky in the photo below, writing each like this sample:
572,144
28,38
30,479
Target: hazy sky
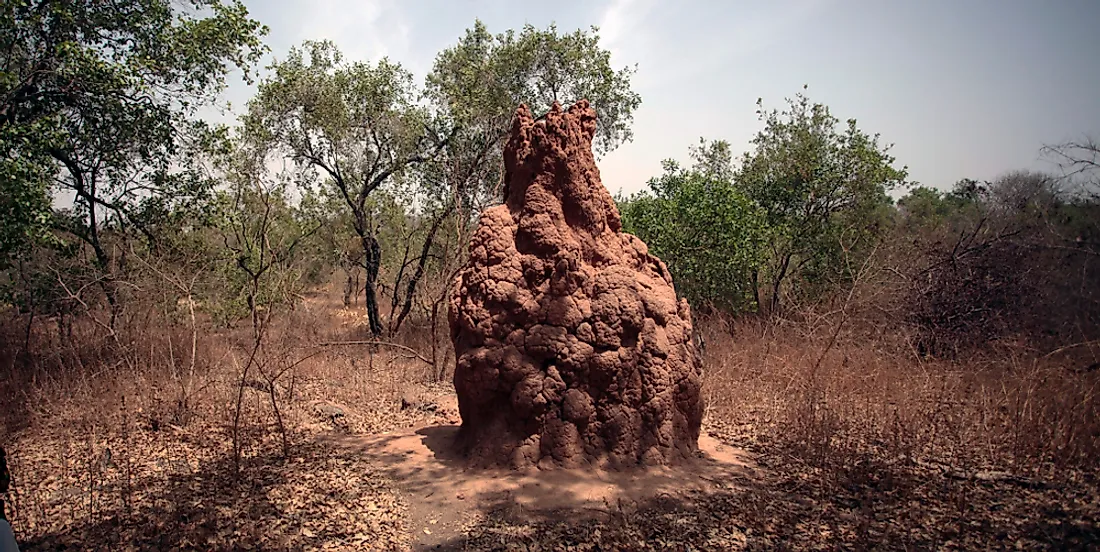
963,88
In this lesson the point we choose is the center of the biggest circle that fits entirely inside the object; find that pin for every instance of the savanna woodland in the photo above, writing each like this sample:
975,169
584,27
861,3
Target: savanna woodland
201,324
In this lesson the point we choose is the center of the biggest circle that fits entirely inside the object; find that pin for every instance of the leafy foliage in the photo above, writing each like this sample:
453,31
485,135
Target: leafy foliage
481,80
25,175
356,124
926,209
105,89
262,233
97,101
822,188
362,129
706,230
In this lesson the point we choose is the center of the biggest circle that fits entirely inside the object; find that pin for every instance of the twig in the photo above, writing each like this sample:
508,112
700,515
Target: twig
1073,346
409,350
844,309
980,475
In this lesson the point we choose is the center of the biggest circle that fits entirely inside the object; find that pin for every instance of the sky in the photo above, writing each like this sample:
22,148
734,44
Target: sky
962,88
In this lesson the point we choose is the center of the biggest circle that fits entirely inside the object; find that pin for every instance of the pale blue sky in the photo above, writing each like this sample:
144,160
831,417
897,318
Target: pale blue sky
964,88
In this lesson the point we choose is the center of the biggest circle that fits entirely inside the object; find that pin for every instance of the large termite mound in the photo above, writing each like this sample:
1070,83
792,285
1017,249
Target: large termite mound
571,347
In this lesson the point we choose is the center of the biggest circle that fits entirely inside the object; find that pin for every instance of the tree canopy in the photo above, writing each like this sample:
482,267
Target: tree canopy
706,230
97,98
480,81
822,188
362,128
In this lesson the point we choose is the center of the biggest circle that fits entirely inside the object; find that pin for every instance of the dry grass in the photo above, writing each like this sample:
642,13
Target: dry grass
1030,417
865,444
117,447
880,448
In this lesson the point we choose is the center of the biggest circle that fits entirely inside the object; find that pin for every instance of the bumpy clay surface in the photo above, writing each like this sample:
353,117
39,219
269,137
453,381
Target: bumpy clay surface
571,347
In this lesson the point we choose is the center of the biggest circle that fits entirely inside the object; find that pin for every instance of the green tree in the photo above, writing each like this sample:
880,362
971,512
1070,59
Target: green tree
337,245
822,188
263,233
477,84
97,99
713,160
25,174
480,81
967,191
924,204
358,124
929,211
705,229
474,89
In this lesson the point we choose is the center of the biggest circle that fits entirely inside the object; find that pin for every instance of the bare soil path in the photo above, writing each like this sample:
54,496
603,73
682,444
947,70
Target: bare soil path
444,497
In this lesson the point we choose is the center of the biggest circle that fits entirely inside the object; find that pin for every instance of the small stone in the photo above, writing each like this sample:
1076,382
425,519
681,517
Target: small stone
329,411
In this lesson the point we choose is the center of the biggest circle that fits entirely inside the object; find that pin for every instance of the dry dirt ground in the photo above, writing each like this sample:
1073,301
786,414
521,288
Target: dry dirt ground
100,467
401,489
446,502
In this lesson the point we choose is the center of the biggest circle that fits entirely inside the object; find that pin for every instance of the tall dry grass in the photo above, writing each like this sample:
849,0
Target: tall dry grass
95,422
780,385
98,426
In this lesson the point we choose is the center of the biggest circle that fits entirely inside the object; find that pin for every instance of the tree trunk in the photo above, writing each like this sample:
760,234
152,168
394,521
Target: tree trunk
5,480
254,311
437,373
373,261
420,267
103,262
349,288
780,275
756,289
25,353
355,290
371,299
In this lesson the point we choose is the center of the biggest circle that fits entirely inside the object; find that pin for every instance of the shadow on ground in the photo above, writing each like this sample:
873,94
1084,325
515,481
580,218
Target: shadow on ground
869,507
318,499
342,493
723,504
445,498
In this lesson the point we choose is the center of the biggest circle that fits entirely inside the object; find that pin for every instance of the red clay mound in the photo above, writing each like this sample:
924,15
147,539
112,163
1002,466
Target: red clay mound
571,347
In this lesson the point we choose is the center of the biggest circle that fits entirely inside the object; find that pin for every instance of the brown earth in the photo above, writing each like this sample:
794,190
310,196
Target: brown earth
572,349
93,472
446,498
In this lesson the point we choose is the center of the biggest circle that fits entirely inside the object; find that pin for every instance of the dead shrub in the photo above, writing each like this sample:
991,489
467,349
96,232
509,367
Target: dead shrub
861,400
